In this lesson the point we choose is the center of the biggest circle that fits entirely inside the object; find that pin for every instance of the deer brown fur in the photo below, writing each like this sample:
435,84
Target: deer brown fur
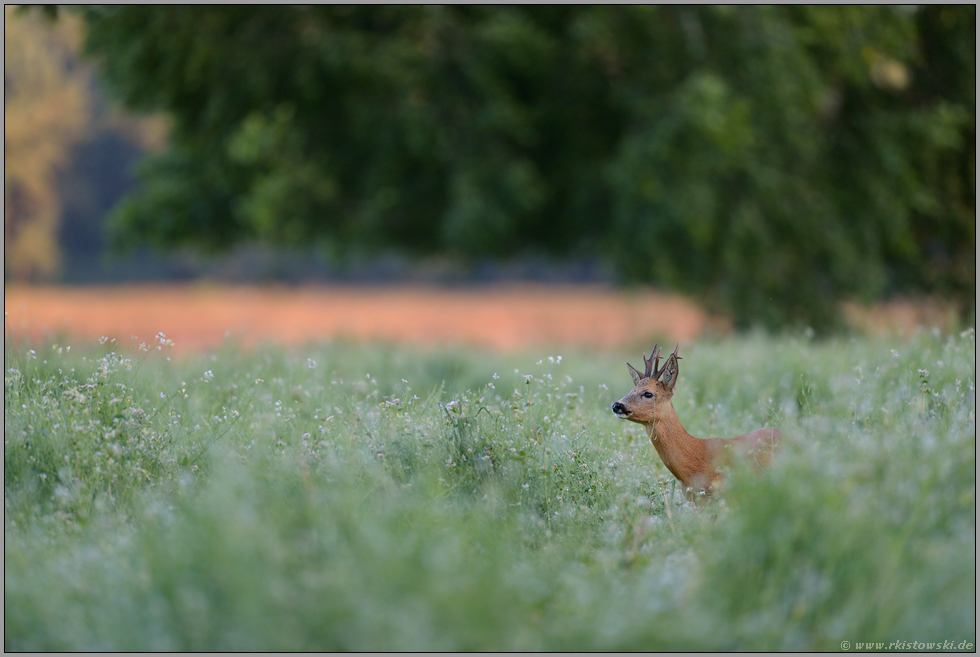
695,461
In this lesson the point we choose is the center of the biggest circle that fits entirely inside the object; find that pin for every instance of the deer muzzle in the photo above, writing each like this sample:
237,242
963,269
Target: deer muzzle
621,411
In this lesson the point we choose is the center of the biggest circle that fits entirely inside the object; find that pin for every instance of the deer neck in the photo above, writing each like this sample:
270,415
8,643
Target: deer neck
684,455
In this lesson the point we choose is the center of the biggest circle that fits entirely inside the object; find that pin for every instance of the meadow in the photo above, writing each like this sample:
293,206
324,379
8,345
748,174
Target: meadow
367,496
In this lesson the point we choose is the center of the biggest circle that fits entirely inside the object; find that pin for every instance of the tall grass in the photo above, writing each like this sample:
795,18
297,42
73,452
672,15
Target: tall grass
369,497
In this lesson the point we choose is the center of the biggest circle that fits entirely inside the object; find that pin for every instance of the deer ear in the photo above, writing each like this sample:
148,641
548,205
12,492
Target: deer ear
637,377
669,373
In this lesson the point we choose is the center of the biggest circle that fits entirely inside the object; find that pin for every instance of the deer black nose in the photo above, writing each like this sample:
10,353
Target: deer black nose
619,409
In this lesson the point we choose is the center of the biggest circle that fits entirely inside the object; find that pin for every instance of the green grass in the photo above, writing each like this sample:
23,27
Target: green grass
372,497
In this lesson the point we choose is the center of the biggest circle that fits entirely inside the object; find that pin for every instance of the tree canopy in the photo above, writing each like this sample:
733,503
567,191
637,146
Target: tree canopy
770,160
46,111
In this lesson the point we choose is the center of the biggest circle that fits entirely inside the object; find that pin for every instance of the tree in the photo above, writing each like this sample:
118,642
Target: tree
46,111
771,160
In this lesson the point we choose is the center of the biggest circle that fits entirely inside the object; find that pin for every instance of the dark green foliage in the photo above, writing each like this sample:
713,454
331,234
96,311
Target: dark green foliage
771,160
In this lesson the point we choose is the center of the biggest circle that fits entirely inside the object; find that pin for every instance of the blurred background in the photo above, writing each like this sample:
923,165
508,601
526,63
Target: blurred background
771,167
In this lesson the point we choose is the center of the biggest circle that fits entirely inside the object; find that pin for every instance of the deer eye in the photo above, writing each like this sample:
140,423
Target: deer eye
648,395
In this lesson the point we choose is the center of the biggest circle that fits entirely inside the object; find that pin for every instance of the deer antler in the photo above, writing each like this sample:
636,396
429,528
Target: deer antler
652,363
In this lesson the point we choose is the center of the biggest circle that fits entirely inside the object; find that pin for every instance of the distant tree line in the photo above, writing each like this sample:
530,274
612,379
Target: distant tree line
67,152
46,113
769,160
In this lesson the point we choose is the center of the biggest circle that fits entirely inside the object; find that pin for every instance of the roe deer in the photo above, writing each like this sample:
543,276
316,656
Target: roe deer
695,461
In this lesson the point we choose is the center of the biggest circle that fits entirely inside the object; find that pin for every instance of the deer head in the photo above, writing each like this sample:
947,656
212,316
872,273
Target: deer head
652,388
